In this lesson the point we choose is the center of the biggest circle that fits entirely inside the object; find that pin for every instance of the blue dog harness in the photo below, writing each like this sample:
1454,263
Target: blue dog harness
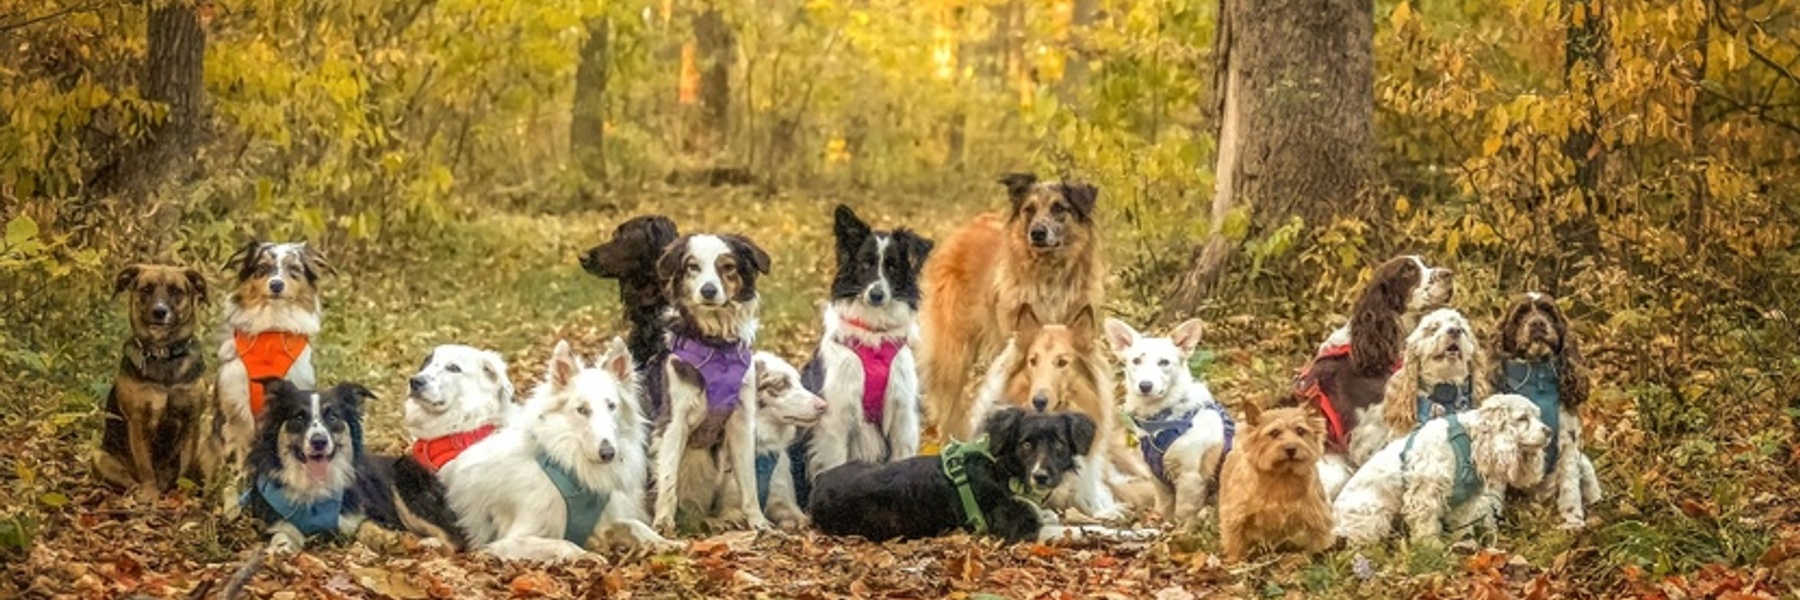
765,472
311,519
1159,432
1537,382
1451,397
583,506
1467,481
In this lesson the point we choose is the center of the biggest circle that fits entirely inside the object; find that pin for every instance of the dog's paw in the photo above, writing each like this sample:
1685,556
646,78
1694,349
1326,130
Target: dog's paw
283,544
1111,514
664,525
1572,523
761,524
1132,535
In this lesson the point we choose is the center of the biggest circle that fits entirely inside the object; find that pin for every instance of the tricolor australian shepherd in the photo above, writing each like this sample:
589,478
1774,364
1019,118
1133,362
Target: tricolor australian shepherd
1044,252
864,365
308,473
271,317
705,439
566,472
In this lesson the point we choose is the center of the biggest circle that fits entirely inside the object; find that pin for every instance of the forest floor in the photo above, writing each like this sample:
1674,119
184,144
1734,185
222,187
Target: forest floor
510,283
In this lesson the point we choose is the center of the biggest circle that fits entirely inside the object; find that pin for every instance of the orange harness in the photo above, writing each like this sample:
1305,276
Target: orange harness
267,354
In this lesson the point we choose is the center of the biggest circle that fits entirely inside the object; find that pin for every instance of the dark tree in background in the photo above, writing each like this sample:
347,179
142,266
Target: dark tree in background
172,75
587,124
718,51
1294,97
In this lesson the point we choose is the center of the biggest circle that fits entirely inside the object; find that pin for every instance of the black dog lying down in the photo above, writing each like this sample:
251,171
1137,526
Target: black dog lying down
1026,453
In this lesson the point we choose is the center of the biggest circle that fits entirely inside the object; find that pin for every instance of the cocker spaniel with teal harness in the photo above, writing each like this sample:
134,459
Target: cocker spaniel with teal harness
1538,358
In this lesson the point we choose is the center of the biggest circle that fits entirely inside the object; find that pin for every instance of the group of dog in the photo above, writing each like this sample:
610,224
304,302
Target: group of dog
683,425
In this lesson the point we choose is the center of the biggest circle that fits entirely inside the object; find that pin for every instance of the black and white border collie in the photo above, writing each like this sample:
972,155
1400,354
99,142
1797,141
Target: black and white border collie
707,384
864,365
308,473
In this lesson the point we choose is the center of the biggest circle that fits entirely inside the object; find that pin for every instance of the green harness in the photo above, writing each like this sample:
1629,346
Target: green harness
1467,481
583,506
954,459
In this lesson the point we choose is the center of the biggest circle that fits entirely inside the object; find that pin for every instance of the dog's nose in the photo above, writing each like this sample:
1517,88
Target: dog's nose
876,297
1040,479
1293,452
1039,235
709,291
588,259
607,452
318,442
1442,274
1144,387
276,285
416,383
818,405
160,313
1040,402
1455,332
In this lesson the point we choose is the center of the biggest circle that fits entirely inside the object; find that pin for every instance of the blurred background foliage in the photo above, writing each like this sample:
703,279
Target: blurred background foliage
1637,158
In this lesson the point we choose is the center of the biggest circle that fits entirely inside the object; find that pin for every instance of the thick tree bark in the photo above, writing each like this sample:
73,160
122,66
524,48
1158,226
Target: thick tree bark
718,50
174,64
1294,97
587,124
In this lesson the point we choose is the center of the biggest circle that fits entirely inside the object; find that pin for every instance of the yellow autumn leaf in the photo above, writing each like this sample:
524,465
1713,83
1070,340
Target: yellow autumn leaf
1491,145
1452,242
1402,206
1402,14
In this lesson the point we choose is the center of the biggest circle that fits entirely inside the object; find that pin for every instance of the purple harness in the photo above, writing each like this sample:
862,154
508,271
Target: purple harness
877,363
722,369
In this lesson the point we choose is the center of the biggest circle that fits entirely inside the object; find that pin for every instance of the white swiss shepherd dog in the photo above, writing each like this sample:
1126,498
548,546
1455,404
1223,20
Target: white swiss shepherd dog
584,420
1181,428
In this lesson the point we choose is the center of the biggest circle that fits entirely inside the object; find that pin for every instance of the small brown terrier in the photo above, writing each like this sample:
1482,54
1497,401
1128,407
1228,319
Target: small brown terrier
152,431
1270,498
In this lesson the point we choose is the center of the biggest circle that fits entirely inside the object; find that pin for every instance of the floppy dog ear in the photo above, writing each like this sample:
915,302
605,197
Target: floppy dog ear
126,277
917,249
672,259
1120,335
1571,382
1400,403
273,389
1002,429
245,257
1082,196
354,394
1187,335
1375,319
748,253
564,366
314,263
197,284
1018,188
1495,447
1079,430
494,367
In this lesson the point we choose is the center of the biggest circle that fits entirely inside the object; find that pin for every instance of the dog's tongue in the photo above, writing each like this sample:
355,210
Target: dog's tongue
318,469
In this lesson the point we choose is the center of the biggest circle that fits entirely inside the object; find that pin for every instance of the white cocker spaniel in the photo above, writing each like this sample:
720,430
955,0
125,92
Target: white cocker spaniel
1448,476
1441,376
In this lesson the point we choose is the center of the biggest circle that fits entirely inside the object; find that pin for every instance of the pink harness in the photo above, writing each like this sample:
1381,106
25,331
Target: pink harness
877,363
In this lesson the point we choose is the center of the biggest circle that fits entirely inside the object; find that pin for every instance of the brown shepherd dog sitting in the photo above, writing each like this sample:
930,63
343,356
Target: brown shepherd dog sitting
152,431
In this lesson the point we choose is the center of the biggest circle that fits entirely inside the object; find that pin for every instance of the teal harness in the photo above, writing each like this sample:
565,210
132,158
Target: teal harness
1451,397
1467,482
765,471
583,505
311,519
1537,382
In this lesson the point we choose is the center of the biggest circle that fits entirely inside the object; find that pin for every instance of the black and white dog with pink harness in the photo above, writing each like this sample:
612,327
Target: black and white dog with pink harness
864,366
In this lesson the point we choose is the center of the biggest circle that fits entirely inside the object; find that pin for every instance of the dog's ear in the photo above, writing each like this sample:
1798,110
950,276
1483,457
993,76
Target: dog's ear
660,230
1187,335
1002,429
1018,188
617,360
353,395
1079,430
314,263
1083,197
273,389
494,368
850,232
1082,328
672,260
1026,324
564,366
917,248
126,278
197,284
1253,414
244,259
1120,335
748,253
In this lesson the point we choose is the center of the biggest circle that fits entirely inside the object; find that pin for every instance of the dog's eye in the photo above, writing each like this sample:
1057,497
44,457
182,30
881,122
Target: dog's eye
453,368
584,411
1027,445
1062,362
1033,361
693,267
1058,209
612,405
1162,363
1137,361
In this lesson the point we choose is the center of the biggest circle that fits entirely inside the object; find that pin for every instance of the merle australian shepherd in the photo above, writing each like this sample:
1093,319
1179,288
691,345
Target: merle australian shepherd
915,498
864,366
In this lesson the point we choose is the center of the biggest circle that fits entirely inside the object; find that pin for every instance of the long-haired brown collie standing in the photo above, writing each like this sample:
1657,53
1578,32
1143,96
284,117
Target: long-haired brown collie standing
1044,252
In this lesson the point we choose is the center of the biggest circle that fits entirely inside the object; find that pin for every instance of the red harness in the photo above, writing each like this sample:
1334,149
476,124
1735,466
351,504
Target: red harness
1308,387
267,354
436,452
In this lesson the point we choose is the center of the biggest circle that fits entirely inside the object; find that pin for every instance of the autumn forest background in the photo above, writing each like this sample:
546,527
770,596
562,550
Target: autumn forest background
1638,159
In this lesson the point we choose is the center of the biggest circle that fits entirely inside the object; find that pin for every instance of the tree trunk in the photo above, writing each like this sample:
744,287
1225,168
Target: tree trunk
1584,55
174,64
1075,62
587,123
1697,147
718,50
1295,100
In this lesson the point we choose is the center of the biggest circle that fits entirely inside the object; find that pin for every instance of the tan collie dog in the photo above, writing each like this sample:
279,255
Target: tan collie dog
1051,368
1043,252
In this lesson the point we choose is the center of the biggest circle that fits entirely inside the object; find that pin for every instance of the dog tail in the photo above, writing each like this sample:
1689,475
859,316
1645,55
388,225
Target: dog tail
424,504
234,587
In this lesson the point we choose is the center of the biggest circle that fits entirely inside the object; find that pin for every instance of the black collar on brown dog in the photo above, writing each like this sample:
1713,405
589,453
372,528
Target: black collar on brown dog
170,351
